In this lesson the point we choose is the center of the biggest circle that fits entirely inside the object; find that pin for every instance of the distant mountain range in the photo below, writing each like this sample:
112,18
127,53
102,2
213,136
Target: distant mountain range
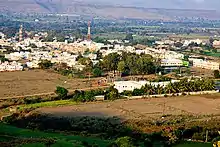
107,9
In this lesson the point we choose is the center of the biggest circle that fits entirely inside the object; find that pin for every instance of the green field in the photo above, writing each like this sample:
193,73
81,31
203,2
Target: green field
194,144
47,104
208,53
9,133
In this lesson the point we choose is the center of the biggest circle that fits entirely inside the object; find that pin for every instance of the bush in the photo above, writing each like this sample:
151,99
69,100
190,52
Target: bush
124,142
112,94
97,72
216,74
61,92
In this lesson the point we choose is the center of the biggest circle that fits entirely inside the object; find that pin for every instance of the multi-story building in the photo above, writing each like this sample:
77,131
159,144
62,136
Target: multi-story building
205,64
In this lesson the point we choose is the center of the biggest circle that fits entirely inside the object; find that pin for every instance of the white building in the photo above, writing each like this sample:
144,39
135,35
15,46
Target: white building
171,62
205,64
131,85
10,66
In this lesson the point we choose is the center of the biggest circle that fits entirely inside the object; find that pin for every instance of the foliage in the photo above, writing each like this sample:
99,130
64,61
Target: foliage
129,62
129,37
112,94
47,138
216,74
3,59
124,142
121,66
97,72
110,62
178,87
45,64
61,92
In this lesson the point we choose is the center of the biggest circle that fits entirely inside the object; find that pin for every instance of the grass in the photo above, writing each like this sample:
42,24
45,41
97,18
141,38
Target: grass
47,104
208,53
26,133
194,144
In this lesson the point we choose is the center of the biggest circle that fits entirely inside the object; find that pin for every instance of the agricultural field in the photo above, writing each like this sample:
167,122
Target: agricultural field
202,105
33,82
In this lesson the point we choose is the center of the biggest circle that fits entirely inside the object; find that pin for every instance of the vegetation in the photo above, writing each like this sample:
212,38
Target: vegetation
129,63
170,131
61,92
45,64
3,59
178,87
216,74
27,137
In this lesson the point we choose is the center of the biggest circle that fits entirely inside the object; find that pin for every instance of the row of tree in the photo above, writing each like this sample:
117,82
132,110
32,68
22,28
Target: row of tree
178,87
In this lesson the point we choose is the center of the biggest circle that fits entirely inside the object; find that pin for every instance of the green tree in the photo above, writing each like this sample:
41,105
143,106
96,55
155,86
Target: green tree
110,62
97,72
129,37
124,142
3,59
121,66
112,94
85,61
61,92
216,74
45,64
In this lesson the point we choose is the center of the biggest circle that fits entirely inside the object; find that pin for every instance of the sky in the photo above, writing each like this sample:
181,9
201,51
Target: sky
176,4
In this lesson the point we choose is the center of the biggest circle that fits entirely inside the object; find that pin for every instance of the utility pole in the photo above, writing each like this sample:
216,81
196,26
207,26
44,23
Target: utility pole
206,136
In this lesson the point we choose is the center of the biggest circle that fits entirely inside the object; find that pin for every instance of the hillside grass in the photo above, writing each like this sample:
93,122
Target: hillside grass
11,131
194,144
46,104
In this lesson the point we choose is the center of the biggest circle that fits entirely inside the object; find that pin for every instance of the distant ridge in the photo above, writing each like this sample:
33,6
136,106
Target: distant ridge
102,10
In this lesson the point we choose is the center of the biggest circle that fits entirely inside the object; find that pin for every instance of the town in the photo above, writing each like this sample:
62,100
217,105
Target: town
72,80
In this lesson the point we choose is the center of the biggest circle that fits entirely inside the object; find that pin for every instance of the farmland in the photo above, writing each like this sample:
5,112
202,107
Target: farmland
143,109
32,82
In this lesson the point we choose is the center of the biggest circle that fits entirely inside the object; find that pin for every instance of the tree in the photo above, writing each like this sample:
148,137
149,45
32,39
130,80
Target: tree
85,61
32,45
110,62
121,66
97,72
124,142
216,74
129,37
45,64
3,59
112,94
61,92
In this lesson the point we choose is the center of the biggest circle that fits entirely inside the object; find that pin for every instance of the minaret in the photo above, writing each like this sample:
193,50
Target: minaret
21,33
89,31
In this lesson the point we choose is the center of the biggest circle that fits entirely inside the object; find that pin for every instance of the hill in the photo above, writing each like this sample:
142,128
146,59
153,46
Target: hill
101,9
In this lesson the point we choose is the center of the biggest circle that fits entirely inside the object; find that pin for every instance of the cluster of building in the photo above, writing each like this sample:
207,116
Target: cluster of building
200,63
10,66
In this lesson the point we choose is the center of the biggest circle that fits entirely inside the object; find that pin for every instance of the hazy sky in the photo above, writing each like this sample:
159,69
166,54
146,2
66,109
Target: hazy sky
184,4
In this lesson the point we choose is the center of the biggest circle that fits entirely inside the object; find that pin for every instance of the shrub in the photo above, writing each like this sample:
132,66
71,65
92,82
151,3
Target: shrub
97,72
124,142
61,92
216,74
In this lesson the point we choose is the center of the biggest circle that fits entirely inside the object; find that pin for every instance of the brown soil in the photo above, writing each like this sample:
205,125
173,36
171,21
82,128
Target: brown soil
142,109
22,83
